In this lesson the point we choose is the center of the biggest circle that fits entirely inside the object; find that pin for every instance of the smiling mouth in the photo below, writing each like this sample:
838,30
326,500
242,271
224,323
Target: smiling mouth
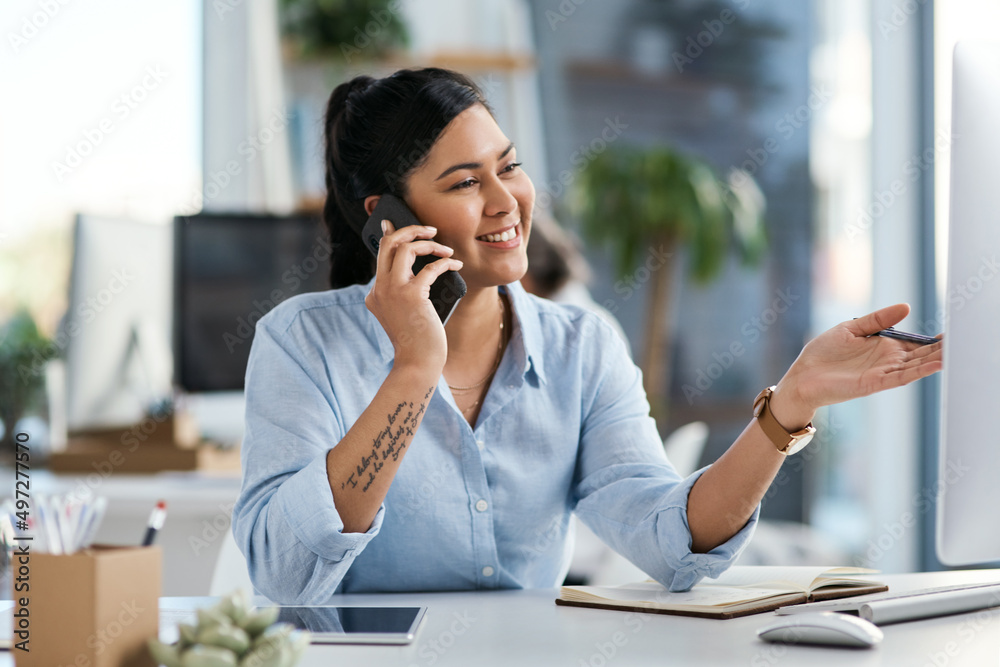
506,235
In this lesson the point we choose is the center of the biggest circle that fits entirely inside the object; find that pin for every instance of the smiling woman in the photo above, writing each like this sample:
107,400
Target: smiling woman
385,451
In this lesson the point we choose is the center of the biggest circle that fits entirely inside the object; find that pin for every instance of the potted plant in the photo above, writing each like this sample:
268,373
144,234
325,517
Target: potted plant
658,200
23,353
342,29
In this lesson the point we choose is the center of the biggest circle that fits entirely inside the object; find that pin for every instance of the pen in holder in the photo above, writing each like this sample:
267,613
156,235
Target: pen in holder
75,604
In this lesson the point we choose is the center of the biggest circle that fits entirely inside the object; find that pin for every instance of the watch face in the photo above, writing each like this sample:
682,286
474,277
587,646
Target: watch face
799,444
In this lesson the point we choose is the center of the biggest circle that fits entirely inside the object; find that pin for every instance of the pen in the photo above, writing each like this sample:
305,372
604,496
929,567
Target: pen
908,337
93,521
156,518
890,332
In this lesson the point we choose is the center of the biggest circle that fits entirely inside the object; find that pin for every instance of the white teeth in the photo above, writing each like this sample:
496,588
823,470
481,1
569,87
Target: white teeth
500,238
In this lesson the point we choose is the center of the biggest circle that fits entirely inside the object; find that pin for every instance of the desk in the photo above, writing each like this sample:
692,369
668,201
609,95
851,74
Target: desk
527,628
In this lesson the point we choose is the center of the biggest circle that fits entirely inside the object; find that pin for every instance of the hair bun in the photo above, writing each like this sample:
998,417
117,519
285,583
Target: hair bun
344,95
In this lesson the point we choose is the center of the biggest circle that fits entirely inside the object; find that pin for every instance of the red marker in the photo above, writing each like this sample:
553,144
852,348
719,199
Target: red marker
156,519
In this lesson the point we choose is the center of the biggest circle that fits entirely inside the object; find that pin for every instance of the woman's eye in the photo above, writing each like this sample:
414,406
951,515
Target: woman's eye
468,183
511,167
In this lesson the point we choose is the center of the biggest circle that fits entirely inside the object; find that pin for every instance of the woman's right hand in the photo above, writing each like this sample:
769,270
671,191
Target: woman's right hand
401,301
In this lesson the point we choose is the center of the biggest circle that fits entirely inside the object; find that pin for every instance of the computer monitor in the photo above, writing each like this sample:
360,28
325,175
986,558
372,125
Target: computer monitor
117,326
231,270
969,472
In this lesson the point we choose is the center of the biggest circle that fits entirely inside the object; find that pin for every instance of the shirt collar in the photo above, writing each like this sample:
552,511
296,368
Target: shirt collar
530,327
527,323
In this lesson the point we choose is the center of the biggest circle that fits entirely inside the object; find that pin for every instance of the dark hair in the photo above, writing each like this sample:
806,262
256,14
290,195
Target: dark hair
554,258
377,131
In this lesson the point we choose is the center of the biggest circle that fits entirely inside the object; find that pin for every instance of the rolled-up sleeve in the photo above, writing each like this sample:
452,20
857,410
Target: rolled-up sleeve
625,489
285,520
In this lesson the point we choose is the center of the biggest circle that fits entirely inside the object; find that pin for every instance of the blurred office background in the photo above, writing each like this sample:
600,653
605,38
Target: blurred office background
839,111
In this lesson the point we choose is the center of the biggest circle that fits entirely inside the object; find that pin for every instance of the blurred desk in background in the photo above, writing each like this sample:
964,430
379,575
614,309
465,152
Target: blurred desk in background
199,510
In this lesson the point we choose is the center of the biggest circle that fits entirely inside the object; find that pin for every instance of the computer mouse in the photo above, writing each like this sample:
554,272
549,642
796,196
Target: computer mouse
822,627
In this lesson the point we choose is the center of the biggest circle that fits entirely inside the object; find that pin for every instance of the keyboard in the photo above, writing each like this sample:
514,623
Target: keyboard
889,607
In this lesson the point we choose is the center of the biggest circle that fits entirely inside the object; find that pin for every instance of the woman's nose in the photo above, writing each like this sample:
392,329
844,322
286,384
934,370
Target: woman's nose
499,198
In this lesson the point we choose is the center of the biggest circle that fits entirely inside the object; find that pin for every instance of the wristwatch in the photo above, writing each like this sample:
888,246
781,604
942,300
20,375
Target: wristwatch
787,443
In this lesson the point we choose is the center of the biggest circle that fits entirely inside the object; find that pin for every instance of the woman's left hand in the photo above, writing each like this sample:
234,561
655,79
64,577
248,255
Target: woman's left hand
847,362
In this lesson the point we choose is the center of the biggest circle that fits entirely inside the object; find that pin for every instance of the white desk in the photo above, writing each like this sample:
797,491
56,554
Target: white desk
527,628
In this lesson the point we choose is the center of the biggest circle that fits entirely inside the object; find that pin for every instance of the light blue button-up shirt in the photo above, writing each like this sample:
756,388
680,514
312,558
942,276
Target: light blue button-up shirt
564,427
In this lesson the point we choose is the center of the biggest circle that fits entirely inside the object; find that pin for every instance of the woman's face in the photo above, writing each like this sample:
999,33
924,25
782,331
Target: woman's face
472,189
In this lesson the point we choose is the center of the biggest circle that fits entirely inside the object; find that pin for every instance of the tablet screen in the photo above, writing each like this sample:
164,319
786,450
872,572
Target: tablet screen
379,625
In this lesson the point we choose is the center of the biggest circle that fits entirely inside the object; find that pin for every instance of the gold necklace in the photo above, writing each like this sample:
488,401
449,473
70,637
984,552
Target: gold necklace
496,363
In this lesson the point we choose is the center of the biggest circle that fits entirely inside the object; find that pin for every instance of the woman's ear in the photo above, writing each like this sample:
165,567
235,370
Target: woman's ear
370,202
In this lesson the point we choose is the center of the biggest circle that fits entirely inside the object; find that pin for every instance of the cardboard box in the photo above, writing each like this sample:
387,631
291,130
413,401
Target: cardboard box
90,455
94,608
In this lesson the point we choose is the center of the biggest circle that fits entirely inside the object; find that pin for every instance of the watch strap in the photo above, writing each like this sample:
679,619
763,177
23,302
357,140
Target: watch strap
776,433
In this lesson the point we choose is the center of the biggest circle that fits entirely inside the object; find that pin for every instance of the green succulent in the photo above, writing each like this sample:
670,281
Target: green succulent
231,634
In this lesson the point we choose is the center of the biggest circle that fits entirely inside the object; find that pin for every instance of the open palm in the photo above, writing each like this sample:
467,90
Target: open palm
847,362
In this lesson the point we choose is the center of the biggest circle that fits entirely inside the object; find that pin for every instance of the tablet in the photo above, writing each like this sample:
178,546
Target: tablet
356,625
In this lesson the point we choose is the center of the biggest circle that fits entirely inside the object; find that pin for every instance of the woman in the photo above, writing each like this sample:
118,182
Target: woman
386,452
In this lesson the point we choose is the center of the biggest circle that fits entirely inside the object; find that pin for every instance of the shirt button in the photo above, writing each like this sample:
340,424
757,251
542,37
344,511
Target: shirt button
481,505
487,571
480,444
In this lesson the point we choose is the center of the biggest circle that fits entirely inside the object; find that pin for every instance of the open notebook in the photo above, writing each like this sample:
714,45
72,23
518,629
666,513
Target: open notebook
739,591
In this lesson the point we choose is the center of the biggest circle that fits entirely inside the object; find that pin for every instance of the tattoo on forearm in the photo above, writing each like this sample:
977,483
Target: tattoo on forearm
391,441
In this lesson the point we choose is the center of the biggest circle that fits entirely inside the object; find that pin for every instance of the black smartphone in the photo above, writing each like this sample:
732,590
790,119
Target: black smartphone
449,288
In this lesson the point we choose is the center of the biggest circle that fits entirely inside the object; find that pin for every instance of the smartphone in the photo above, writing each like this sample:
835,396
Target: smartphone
909,337
449,288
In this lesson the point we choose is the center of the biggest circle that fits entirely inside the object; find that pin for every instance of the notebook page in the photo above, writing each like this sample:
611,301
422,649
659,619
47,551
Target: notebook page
793,578
654,593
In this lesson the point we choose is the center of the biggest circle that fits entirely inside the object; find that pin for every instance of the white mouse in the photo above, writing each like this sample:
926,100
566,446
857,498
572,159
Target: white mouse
822,627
